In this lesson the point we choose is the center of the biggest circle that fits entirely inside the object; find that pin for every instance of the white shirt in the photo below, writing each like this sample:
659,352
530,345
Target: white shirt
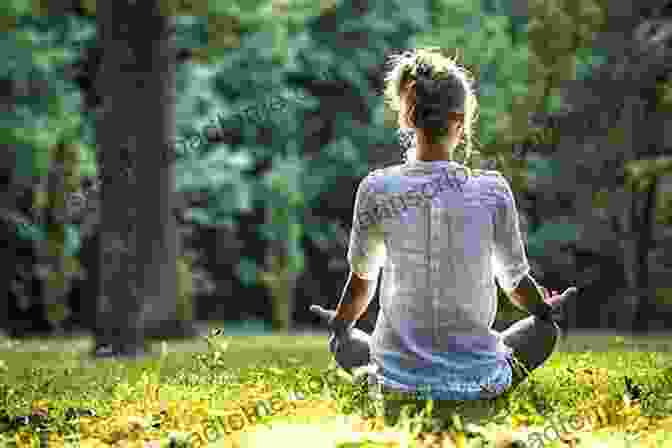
442,233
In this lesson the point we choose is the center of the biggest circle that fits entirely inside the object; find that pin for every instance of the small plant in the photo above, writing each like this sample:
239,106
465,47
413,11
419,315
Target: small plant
214,358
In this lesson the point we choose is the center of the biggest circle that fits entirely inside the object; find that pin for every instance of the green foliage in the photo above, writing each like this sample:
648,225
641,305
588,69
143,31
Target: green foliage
605,159
555,46
664,296
587,60
222,175
551,232
246,270
294,182
33,232
642,172
47,102
202,93
664,209
247,52
16,8
543,168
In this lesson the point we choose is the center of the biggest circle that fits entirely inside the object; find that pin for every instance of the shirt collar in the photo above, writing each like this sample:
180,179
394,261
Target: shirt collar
434,163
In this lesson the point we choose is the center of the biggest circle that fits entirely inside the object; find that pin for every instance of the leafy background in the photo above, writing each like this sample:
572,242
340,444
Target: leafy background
279,175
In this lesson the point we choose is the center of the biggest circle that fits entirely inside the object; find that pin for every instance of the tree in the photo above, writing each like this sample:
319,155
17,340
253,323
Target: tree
135,130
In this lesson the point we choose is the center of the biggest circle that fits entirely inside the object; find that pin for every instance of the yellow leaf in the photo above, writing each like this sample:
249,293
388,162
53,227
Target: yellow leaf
91,443
459,439
602,415
85,426
23,439
135,423
447,442
199,431
518,420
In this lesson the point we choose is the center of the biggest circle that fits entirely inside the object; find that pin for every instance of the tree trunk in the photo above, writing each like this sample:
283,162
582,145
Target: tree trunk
645,243
636,234
158,240
281,282
138,239
624,226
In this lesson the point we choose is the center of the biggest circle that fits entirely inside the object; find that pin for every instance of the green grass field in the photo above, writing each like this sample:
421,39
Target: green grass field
197,388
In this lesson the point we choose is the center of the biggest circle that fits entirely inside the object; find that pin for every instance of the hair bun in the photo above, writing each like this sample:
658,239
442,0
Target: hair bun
435,99
424,71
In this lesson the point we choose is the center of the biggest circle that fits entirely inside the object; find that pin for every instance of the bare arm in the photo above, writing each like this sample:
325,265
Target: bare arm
356,297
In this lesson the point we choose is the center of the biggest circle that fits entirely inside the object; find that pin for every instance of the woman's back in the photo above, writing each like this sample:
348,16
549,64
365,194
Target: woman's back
441,232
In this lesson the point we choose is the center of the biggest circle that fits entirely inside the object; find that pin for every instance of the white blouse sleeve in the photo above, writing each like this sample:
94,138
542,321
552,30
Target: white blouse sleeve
510,263
366,252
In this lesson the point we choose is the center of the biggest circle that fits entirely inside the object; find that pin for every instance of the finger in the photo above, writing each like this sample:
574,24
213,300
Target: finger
546,292
324,314
569,291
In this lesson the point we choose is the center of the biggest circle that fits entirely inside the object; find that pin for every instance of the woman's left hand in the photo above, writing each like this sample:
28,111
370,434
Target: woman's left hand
548,294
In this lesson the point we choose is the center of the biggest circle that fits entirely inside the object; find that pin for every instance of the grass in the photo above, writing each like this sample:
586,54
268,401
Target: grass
201,386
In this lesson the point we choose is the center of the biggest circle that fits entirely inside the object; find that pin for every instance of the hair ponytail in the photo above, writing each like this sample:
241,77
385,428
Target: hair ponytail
437,86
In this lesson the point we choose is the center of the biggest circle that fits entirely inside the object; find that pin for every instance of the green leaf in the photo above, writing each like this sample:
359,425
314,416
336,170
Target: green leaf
17,8
72,240
551,232
198,215
30,232
246,271
542,168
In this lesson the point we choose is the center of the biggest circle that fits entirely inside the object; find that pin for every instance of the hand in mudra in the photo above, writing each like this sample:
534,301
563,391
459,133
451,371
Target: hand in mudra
556,301
350,346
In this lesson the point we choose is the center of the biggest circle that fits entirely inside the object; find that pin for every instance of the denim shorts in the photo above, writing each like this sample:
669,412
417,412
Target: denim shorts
475,411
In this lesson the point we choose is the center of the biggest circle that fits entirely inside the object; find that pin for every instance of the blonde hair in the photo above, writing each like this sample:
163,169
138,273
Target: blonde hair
403,74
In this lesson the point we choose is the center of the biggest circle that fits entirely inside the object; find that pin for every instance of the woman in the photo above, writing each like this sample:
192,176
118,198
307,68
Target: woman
442,233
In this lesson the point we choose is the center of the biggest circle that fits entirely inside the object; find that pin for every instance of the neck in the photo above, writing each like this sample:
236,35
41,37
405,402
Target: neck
428,156
430,152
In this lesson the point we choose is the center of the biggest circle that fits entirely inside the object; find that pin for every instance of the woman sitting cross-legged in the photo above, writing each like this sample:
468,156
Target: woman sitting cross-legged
442,233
